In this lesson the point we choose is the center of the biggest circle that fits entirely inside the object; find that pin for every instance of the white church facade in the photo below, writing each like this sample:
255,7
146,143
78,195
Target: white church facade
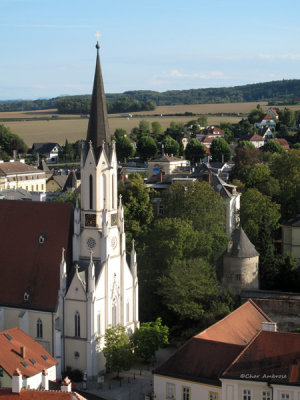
69,301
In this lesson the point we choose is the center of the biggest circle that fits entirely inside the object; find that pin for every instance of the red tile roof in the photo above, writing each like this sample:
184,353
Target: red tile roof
205,356
256,138
26,264
283,142
200,360
11,359
239,327
6,394
271,356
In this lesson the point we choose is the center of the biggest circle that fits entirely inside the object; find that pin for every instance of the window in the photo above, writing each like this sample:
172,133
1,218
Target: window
91,191
266,395
104,190
77,324
113,191
42,186
247,394
238,277
160,209
285,396
212,396
1,372
39,328
186,393
170,391
36,187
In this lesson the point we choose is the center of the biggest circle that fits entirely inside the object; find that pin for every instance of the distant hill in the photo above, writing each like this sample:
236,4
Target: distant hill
276,92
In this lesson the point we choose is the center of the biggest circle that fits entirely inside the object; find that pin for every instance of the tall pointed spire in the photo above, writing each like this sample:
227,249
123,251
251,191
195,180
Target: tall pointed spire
98,129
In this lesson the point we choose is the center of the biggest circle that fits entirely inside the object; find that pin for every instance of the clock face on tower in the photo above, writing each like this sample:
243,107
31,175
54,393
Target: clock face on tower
90,220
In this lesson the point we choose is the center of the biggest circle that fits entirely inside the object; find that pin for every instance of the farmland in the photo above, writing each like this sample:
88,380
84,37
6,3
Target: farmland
31,126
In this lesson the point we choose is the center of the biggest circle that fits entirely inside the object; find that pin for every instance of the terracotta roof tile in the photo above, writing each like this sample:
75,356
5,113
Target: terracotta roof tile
239,327
29,394
11,358
26,264
273,356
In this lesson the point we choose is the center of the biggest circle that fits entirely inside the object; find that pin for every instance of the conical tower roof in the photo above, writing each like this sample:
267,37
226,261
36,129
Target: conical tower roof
241,245
98,129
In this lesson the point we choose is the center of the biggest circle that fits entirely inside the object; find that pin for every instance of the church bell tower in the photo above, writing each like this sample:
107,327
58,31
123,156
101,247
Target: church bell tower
103,290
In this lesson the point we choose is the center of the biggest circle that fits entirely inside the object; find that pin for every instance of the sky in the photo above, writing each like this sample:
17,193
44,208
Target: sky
47,48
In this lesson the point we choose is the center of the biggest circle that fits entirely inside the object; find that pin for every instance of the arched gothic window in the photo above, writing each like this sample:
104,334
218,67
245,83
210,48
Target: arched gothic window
39,328
104,191
91,191
99,323
77,324
113,192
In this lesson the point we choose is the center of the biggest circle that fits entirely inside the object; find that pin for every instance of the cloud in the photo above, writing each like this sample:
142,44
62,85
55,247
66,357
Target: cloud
196,75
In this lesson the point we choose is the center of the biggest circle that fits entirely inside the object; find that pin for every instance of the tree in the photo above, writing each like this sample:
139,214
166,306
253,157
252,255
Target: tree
119,133
137,208
157,129
287,117
67,197
144,126
257,211
124,148
273,147
194,151
245,143
146,148
117,350
171,146
220,150
255,115
10,142
245,155
191,289
149,338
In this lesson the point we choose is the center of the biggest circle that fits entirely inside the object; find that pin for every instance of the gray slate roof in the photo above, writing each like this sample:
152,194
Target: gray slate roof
241,245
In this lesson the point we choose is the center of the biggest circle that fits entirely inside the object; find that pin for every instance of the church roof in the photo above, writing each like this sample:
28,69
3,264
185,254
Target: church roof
98,129
32,237
35,359
241,245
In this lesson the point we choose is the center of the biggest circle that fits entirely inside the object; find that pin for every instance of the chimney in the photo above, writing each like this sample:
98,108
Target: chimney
23,351
45,380
269,326
66,385
17,381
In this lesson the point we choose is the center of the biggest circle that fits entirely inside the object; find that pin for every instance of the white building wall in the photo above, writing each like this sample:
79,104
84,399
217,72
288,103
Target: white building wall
197,390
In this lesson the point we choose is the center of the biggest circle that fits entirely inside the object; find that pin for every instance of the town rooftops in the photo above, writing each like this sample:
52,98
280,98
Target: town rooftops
17,167
19,350
30,394
271,357
33,235
44,148
238,327
205,356
241,245
167,159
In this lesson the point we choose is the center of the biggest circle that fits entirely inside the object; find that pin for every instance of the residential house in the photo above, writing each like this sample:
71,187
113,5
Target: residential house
266,121
291,237
56,183
266,133
207,135
166,163
19,351
49,150
283,142
195,369
268,368
257,140
273,112
17,174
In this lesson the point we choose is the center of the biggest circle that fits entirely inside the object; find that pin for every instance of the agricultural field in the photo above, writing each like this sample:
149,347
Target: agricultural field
31,128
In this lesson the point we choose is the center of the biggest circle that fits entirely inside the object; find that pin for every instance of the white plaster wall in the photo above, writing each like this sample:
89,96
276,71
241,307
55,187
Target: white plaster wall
198,390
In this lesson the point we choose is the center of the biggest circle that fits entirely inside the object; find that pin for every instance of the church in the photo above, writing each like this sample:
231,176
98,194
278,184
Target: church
64,273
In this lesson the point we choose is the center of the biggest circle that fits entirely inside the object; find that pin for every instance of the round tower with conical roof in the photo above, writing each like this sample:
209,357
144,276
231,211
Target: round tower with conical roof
240,264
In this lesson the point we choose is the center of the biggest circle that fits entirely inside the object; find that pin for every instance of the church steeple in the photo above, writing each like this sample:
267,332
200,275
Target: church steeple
98,129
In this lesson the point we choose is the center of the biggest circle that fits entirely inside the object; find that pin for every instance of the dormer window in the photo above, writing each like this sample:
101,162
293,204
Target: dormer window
26,296
41,239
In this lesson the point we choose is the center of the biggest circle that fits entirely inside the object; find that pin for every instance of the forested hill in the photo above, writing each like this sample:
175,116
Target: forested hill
284,92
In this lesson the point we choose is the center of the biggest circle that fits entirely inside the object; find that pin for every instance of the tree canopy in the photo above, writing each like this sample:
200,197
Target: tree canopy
146,147
194,151
220,150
